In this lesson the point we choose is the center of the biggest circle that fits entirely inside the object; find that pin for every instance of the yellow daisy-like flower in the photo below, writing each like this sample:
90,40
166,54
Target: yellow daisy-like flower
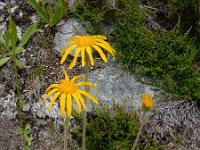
85,44
68,90
147,101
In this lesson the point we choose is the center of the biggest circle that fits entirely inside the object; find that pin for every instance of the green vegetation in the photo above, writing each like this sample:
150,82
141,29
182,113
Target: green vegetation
92,14
113,129
187,11
47,12
9,46
25,132
168,58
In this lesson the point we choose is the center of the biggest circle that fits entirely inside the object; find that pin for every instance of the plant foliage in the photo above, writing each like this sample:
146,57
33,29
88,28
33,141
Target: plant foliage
47,12
110,130
10,46
168,57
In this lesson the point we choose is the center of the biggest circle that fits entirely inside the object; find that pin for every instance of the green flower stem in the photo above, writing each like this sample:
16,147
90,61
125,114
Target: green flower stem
66,132
84,112
142,122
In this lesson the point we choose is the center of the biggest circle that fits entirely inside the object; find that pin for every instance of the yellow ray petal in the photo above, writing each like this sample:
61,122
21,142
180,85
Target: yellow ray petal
67,52
77,102
72,38
69,105
75,58
48,95
89,52
65,47
89,96
82,101
103,56
62,104
76,77
83,57
50,87
65,73
53,100
100,37
106,47
85,83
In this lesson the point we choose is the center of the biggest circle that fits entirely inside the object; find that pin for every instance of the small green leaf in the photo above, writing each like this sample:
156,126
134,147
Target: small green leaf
30,31
60,11
4,60
2,41
20,63
41,12
27,126
13,33
20,131
29,140
7,40
19,50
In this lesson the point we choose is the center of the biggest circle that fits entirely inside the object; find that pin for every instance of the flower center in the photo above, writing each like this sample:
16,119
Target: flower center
84,41
67,87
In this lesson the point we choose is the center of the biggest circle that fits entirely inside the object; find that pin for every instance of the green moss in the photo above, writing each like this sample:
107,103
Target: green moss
112,130
167,57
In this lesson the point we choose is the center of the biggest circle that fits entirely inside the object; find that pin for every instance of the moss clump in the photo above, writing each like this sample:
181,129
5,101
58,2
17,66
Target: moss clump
168,57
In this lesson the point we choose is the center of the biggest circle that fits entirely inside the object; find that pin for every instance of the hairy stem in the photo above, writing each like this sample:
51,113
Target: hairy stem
84,112
66,132
139,132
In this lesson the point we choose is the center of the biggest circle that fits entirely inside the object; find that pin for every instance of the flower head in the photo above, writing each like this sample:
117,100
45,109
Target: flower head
147,101
68,90
85,44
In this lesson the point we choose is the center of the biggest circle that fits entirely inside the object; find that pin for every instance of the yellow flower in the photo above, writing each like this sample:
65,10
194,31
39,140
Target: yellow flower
68,90
85,44
147,101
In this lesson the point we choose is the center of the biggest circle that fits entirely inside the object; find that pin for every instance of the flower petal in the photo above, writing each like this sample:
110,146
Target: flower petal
50,87
65,47
89,96
75,58
89,51
85,83
48,95
100,37
98,49
82,101
62,104
77,102
72,38
65,73
53,100
83,57
69,105
107,47
67,52
75,78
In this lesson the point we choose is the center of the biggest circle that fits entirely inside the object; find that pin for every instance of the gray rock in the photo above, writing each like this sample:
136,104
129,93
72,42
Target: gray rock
34,18
12,10
26,107
9,105
19,32
3,27
2,17
43,135
40,111
65,31
112,85
115,84
40,121
2,5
